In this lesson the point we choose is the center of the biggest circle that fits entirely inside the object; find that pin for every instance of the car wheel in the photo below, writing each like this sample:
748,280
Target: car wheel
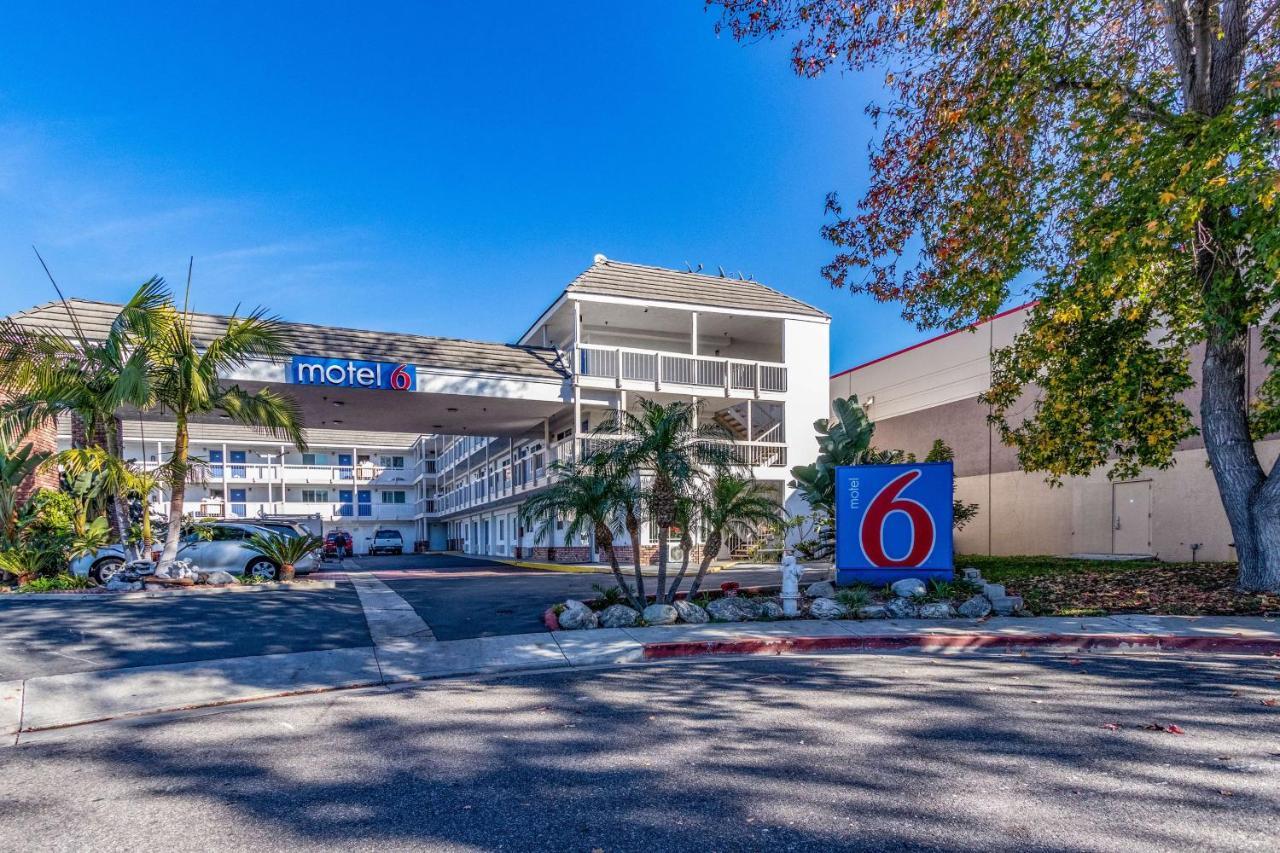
106,568
261,568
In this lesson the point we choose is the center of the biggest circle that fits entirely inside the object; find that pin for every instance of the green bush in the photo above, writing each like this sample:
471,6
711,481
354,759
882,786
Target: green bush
854,597
56,583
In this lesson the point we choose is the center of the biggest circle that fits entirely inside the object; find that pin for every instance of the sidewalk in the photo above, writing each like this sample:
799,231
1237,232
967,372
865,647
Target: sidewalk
399,656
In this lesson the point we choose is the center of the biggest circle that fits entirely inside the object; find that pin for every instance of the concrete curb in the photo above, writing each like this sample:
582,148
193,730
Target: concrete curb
964,643
199,589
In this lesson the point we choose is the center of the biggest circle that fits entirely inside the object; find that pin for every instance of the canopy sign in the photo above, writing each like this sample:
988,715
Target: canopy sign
893,522
349,373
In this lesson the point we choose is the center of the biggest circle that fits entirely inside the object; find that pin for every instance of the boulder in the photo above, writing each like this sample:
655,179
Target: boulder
577,616
910,588
826,608
660,614
936,610
900,608
731,608
975,608
821,589
770,609
872,611
690,612
119,584
618,616
217,578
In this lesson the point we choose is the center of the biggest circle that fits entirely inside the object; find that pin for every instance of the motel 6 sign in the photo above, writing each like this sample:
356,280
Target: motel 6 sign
350,373
893,522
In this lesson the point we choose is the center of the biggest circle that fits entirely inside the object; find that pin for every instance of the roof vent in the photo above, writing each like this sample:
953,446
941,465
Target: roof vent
599,259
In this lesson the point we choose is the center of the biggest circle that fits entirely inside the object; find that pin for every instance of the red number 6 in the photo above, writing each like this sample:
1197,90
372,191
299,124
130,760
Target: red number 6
878,511
400,379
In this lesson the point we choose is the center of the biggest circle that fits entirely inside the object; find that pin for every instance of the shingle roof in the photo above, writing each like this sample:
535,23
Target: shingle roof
635,281
95,319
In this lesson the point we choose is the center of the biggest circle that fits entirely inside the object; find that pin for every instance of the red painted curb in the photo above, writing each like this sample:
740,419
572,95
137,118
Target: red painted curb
962,642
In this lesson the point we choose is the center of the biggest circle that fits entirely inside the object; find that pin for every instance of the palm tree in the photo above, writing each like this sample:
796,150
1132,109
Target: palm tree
284,550
731,503
591,500
49,373
186,384
17,462
670,446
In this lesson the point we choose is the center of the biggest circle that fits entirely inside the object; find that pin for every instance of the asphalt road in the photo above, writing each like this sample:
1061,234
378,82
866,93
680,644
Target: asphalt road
469,597
848,753
75,634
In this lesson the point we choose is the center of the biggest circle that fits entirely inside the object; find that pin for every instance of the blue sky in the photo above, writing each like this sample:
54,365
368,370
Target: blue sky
439,168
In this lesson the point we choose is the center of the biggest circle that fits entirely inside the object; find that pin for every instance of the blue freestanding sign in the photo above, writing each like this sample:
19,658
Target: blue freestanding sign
893,522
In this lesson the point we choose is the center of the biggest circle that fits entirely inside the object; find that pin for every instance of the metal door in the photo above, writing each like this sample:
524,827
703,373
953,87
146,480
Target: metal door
1131,518
215,463
237,470
344,466
345,509
364,500
238,508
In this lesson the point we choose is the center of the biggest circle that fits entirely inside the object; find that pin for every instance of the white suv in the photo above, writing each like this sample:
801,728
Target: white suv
387,542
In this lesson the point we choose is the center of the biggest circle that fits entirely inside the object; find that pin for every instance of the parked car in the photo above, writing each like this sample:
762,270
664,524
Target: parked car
222,546
338,544
387,542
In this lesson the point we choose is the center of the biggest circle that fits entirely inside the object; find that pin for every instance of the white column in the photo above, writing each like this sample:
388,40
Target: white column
694,346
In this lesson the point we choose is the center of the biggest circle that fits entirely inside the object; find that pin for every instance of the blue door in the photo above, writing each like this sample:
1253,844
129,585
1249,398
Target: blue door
344,466
344,503
215,463
237,470
238,508
365,500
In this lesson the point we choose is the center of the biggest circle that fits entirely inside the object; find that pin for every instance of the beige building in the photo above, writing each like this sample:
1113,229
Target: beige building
930,391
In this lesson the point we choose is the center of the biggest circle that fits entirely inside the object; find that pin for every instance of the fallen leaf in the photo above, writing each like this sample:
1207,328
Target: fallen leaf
1224,792
1174,729
1270,703
1111,727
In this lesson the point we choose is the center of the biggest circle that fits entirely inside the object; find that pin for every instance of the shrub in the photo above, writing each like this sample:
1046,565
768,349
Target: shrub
608,596
854,597
56,583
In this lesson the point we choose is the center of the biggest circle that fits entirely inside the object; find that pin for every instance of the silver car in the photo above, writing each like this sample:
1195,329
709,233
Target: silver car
225,549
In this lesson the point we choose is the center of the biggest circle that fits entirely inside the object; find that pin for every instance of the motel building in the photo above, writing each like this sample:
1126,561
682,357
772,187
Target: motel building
930,391
444,439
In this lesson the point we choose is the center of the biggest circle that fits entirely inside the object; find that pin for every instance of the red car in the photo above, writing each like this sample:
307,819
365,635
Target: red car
338,544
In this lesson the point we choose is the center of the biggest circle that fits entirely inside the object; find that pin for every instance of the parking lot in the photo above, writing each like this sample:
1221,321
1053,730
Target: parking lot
458,597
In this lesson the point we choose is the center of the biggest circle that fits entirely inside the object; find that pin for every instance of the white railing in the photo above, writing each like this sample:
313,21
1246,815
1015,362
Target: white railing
354,511
294,474
623,364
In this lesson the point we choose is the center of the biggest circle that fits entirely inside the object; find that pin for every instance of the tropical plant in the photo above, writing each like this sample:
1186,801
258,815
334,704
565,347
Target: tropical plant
1126,153
49,373
589,499
17,462
56,583
666,445
186,384
85,487
730,503
284,550
26,560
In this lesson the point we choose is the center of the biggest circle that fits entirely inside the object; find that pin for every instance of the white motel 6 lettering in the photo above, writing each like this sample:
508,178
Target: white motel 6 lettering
351,373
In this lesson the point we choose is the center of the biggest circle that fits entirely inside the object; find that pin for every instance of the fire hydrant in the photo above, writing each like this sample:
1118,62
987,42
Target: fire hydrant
791,573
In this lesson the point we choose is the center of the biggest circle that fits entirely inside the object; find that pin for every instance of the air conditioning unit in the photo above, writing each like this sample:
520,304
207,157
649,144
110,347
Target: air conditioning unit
675,552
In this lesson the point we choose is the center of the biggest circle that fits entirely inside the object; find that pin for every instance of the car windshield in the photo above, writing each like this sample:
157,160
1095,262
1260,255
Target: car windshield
387,534
286,529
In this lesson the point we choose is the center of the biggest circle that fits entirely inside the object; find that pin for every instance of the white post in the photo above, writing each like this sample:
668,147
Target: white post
693,349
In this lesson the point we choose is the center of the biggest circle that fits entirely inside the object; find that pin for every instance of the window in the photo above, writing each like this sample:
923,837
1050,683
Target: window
393,497
227,534
392,461
315,496
315,459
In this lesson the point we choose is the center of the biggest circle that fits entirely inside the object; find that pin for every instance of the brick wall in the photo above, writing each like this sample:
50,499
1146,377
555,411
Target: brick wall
572,554
45,438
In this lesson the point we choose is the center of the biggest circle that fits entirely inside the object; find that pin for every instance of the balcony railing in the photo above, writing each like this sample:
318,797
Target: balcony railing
249,510
625,365
292,474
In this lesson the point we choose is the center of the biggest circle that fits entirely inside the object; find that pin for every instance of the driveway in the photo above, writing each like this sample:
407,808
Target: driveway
464,597
803,754
79,633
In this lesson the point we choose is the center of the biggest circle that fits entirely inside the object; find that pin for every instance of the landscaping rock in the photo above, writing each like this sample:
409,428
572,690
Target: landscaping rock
217,578
873,611
618,616
975,608
577,616
826,608
660,614
901,608
1006,605
973,575
770,609
936,610
731,609
993,591
691,613
119,584
821,589
910,588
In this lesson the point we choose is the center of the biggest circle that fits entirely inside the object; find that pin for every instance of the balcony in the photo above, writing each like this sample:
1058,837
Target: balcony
301,475
250,510
655,370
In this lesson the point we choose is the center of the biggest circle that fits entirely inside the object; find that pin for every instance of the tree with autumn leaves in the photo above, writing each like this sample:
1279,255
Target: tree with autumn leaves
1123,158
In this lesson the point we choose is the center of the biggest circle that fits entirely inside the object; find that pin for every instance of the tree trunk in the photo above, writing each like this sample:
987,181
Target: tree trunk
177,492
285,572
664,536
686,544
604,538
119,504
633,530
709,550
